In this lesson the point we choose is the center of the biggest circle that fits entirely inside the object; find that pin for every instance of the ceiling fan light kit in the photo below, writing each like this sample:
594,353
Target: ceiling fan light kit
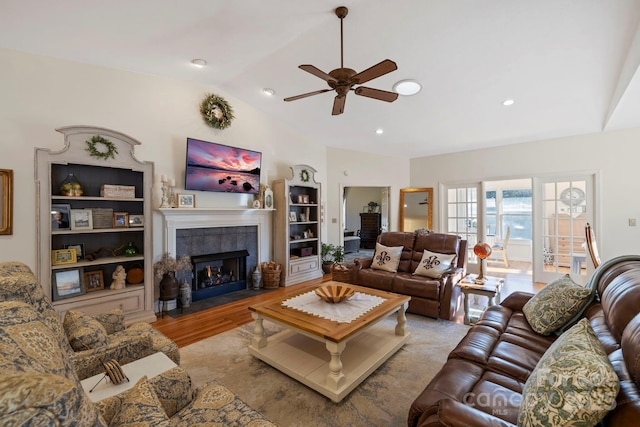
343,80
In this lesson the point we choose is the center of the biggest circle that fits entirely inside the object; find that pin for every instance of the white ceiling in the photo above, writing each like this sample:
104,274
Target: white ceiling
570,65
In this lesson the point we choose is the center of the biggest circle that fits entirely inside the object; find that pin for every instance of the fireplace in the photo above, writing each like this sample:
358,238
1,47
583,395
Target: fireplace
198,231
218,274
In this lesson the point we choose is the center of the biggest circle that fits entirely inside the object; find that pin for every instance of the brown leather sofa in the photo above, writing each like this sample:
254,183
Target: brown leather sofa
438,298
482,381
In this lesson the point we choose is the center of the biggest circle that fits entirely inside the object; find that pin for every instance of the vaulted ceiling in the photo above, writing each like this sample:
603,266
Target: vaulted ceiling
572,67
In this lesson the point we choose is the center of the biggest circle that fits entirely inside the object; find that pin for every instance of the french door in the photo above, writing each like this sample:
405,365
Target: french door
562,207
462,215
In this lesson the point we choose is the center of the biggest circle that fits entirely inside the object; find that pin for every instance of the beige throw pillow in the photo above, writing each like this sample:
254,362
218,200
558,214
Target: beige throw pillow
386,258
434,264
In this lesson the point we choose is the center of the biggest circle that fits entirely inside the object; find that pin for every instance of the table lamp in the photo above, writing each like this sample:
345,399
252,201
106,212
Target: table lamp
482,251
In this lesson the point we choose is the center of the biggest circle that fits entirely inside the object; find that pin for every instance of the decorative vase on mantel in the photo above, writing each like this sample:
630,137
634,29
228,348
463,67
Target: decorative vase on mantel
169,286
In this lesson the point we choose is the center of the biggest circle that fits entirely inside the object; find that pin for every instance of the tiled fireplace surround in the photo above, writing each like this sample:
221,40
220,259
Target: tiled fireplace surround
200,231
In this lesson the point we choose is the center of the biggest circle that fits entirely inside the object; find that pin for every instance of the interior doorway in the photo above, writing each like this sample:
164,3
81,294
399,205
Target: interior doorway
357,200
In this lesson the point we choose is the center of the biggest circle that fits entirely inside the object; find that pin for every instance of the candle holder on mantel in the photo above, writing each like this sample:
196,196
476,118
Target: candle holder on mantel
168,195
165,194
482,251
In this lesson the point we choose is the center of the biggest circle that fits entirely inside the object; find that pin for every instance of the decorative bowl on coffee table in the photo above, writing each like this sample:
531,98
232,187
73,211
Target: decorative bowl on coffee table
334,293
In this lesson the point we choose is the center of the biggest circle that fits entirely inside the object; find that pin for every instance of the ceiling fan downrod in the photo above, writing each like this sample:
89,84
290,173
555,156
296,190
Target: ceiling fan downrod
341,12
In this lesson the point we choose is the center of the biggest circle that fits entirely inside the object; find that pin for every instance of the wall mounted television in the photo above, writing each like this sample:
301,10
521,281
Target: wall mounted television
217,167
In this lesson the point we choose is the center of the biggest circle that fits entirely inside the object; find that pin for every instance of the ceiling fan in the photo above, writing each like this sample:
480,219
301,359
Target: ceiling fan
342,79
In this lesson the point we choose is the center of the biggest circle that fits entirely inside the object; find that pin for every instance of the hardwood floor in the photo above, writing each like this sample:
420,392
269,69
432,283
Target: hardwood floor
194,327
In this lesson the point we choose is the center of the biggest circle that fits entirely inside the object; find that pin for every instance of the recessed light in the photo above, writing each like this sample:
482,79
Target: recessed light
200,63
508,102
379,131
268,91
407,87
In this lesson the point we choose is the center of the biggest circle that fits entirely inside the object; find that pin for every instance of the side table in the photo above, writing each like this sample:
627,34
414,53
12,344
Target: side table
490,289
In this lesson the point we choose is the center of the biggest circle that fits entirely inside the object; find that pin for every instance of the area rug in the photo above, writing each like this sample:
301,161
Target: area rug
383,399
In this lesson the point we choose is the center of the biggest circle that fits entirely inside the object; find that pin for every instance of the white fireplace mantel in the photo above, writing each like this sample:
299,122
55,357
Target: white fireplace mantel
188,218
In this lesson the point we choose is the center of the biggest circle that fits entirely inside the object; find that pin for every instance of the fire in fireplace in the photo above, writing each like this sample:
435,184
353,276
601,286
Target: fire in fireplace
218,274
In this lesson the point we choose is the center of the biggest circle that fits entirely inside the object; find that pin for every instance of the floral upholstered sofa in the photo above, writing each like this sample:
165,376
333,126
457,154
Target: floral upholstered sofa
87,338
40,385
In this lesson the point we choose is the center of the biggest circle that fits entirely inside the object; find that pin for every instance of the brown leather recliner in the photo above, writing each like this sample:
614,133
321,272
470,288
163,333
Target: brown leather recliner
438,298
482,381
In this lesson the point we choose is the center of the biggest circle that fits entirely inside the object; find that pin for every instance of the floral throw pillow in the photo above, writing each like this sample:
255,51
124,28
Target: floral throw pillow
573,384
434,264
83,331
386,258
556,305
140,406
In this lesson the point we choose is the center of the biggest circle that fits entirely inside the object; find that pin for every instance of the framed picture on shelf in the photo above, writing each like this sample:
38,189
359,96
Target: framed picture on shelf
303,218
136,220
63,256
120,220
79,247
293,217
93,280
186,200
81,219
67,283
60,217
303,199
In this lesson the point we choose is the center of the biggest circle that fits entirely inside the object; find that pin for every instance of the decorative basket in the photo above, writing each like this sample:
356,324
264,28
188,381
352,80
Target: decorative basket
341,273
334,294
135,274
271,275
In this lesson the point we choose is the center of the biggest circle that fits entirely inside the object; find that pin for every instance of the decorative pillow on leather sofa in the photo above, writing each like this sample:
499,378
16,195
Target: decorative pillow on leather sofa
84,332
556,304
434,264
573,384
386,258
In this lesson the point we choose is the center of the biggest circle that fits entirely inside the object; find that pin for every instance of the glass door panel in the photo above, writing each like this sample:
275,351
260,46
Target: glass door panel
560,246
462,215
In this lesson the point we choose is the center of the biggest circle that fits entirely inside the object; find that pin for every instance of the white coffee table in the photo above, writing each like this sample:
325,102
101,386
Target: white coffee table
150,366
331,358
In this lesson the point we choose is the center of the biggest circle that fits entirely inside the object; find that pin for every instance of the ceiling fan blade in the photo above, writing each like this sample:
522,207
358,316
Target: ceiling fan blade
317,72
304,95
338,105
381,95
377,70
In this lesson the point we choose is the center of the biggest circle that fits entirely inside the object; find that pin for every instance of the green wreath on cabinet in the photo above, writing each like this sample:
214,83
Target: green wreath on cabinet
108,148
216,112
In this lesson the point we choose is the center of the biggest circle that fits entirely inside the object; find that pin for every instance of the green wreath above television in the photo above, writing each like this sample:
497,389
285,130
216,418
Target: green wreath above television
216,112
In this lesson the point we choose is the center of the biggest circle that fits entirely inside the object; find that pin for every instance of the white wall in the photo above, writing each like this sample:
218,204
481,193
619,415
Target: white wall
40,94
614,155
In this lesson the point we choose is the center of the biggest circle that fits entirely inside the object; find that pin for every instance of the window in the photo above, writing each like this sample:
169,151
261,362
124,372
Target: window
509,208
